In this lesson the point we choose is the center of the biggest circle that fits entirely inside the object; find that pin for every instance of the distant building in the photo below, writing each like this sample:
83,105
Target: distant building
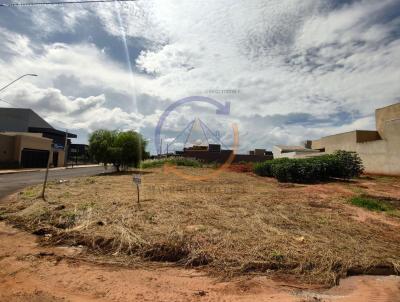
78,154
214,153
27,140
379,150
259,152
280,151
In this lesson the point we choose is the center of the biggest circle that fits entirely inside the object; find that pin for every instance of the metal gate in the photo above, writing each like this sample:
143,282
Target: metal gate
32,158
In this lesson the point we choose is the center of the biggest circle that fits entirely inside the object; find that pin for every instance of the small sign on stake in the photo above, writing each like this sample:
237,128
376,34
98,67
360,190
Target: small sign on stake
137,179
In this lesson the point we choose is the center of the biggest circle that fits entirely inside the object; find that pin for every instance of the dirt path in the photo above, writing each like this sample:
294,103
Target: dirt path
29,272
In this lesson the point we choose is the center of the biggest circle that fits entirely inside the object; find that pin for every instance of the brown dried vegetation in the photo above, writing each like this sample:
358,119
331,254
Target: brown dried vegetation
234,224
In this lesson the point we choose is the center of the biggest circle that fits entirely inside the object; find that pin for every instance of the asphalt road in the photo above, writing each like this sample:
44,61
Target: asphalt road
10,183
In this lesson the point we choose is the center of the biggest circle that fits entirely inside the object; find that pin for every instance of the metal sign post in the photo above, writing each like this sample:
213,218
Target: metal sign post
137,180
46,174
66,149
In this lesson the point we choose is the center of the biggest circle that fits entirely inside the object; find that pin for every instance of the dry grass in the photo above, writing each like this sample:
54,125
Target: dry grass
235,224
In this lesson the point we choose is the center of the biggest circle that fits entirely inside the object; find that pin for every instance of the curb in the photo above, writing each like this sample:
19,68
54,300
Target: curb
44,169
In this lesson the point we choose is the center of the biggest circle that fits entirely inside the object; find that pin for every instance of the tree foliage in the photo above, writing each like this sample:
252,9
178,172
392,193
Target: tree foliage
120,148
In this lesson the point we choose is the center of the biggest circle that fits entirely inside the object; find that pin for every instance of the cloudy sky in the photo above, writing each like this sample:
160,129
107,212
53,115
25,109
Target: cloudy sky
297,69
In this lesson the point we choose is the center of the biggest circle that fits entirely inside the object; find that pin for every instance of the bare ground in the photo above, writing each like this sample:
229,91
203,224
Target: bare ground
238,226
30,272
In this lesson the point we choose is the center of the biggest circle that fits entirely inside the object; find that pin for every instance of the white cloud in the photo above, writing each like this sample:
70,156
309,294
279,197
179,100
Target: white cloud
12,43
285,57
51,19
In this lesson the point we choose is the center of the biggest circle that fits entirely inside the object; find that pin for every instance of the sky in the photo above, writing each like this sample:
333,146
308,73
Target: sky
291,70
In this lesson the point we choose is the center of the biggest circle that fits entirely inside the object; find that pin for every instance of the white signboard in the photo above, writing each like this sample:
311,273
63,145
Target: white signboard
137,179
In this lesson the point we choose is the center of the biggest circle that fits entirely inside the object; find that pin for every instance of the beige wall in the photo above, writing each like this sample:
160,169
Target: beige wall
383,156
12,144
343,141
385,114
61,158
31,142
23,133
367,136
6,148
380,156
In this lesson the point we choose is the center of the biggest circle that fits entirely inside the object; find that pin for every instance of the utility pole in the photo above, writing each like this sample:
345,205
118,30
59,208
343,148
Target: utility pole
47,173
25,75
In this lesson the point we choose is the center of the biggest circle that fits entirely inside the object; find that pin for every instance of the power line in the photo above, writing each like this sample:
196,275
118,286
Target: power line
1,100
61,2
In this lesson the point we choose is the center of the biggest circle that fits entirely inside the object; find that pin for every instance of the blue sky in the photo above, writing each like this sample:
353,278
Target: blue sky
302,69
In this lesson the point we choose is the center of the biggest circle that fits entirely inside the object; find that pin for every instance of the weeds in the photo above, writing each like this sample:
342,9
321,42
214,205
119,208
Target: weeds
90,180
29,193
276,255
66,220
177,161
86,205
371,204
66,194
269,229
376,204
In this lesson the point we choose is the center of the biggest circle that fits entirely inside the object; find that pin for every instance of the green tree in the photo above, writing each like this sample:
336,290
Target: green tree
122,149
131,147
100,144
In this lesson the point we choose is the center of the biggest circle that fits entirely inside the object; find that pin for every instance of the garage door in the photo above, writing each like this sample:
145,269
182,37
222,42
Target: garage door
31,158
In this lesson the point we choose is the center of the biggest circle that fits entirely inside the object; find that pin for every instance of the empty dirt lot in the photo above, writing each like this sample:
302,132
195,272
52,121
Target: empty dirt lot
248,238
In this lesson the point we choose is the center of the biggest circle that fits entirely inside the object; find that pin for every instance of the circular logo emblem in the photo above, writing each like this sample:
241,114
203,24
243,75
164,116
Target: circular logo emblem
221,109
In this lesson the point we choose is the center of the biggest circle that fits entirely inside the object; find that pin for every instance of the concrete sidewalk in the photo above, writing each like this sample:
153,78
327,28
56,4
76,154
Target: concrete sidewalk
12,171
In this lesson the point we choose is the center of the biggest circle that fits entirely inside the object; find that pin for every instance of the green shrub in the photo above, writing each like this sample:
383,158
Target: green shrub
177,161
341,164
371,204
302,170
263,168
347,165
283,169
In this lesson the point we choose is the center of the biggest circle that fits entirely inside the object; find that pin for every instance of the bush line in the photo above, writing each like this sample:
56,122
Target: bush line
341,164
176,161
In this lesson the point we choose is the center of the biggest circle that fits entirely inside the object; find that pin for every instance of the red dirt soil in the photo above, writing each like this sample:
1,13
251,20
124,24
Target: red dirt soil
29,272
241,168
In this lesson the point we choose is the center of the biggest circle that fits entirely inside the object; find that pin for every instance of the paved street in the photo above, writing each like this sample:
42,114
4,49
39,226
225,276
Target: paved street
10,183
